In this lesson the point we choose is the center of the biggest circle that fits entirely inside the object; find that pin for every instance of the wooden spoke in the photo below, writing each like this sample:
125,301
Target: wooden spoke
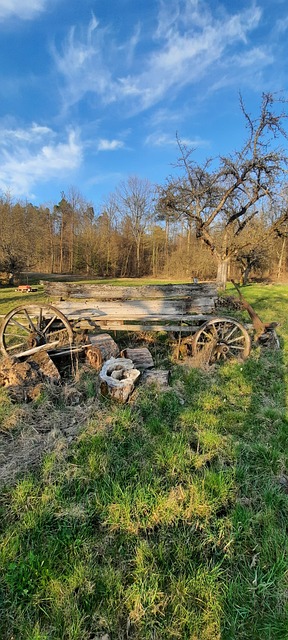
235,339
20,325
227,338
30,322
16,346
231,333
49,324
46,327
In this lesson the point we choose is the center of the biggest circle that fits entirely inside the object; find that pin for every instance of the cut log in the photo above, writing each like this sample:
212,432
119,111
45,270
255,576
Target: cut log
117,378
141,357
160,377
101,348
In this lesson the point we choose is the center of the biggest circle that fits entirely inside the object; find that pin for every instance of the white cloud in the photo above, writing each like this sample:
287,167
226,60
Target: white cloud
158,139
82,64
190,41
109,145
36,155
254,58
281,25
23,9
30,135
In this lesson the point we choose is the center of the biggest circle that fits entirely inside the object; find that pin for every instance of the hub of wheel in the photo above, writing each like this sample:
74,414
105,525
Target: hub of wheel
35,340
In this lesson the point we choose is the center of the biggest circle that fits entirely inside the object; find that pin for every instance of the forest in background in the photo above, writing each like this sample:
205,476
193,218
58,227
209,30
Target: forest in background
226,217
125,241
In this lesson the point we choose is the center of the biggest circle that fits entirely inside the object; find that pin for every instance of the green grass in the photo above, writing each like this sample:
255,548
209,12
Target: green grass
166,519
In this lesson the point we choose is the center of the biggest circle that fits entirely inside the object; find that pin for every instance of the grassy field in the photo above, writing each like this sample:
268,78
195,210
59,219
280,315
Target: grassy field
167,518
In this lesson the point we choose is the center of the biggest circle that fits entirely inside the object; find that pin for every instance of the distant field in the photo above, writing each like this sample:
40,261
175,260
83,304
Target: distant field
167,517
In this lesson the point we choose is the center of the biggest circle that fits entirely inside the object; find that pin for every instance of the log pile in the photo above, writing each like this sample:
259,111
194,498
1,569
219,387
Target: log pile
24,380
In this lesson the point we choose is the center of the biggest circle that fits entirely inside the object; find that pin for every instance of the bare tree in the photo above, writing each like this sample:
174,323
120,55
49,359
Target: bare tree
220,197
134,203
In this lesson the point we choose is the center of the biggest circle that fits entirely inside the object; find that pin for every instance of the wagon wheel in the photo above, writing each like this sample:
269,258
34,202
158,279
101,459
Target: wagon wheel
29,328
222,339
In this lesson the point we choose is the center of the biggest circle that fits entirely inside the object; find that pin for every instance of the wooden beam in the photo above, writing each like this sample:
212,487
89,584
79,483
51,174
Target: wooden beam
143,292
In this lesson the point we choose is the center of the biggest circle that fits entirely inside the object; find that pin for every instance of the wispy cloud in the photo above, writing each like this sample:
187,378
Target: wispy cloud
281,25
110,145
31,135
190,40
159,139
36,154
23,9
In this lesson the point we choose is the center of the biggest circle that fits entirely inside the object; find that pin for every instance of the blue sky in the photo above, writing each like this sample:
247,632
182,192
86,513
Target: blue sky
93,91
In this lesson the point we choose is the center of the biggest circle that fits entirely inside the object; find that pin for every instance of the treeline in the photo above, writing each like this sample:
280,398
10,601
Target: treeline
226,217
127,237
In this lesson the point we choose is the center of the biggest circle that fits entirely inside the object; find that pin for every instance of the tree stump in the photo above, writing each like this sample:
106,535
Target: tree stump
117,378
101,348
141,357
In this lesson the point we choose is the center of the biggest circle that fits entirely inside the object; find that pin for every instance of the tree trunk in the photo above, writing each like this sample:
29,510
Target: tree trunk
281,259
222,273
188,250
245,275
138,246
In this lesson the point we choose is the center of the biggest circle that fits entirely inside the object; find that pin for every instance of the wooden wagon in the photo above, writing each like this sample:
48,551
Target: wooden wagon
182,309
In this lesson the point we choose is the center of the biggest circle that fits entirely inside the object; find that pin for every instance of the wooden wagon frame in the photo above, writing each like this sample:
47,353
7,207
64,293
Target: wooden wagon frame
183,309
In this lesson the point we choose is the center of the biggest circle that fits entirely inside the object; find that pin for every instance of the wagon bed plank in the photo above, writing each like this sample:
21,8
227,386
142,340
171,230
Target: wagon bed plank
133,309
109,292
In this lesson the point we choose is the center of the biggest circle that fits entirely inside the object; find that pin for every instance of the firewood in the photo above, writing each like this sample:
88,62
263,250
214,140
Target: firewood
141,357
101,348
24,380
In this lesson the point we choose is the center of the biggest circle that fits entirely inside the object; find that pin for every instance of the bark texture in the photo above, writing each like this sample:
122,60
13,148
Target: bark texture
118,378
101,348
141,357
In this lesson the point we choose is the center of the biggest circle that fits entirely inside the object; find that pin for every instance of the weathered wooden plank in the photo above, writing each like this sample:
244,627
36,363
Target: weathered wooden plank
113,326
110,292
133,309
